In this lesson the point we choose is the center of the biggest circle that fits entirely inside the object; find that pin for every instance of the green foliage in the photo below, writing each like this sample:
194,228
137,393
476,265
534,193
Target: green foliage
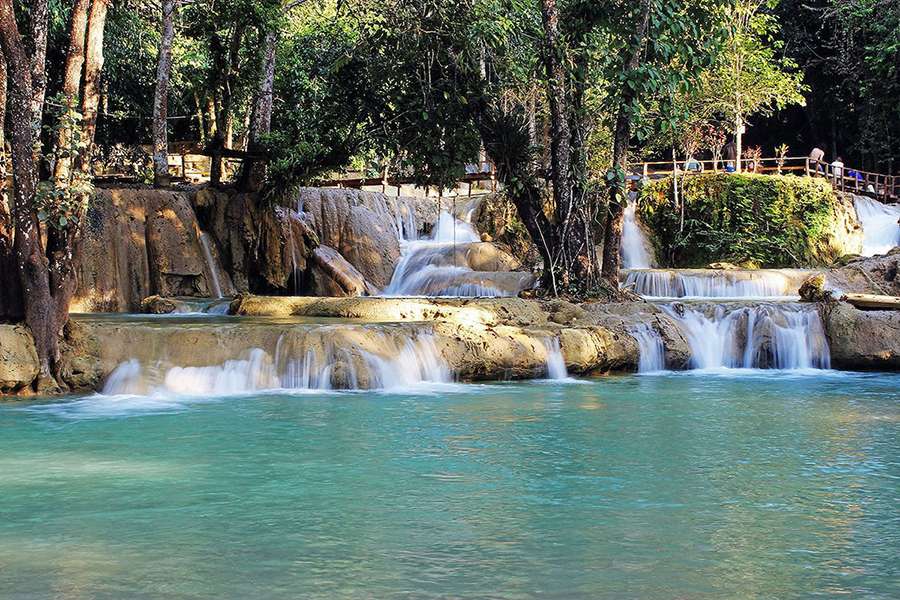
61,203
774,221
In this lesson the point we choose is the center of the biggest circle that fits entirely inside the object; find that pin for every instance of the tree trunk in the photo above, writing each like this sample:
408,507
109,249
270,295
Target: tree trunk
738,142
71,85
612,238
161,96
11,306
93,65
40,16
557,96
32,264
254,172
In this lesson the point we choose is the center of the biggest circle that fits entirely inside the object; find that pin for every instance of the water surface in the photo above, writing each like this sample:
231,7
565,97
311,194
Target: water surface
736,485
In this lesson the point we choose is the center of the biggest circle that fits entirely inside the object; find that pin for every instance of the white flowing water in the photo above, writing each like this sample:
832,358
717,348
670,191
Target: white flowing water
635,246
651,348
556,363
416,360
430,267
711,283
881,231
211,264
761,336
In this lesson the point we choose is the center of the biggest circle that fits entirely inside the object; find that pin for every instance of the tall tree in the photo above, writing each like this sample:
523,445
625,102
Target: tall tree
71,84
93,66
161,95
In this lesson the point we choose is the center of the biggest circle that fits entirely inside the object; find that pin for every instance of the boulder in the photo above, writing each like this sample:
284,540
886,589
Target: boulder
862,340
18,359
332,275
873,275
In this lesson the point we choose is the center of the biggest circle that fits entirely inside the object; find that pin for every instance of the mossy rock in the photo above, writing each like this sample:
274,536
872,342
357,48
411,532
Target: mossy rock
750,220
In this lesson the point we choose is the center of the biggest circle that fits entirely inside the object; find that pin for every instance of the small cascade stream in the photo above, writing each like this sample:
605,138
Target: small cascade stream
756,336
650,345
635,248
438,266
712,283
303,364
881,231
556,363
211,264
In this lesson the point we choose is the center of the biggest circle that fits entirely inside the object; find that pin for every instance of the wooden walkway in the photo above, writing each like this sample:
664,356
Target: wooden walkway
877,185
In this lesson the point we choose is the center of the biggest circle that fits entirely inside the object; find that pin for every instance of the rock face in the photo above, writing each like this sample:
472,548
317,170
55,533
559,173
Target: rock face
18,359
865,340
140,242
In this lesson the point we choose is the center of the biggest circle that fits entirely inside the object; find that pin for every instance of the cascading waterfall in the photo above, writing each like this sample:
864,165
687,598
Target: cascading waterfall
652,357
430,267
710,283
556,363
881,231
635,253
760,336
210,264
416,360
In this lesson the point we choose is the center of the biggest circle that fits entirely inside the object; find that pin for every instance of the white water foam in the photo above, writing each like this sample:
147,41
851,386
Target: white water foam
766,336
881,232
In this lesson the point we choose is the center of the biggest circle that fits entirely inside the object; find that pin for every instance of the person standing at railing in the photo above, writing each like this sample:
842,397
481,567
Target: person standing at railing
817,159
837,170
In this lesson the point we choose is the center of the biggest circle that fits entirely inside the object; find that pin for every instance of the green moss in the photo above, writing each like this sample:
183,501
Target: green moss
775,221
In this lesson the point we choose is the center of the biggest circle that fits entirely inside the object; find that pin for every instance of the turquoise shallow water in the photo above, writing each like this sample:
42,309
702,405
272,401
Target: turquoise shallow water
675,486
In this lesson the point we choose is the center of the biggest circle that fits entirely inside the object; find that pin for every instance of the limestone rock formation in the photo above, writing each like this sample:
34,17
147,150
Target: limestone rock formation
139,242
363,226
18,359
862,339
874,275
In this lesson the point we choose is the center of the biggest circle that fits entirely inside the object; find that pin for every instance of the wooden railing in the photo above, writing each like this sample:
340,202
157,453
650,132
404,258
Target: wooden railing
878,185
485,173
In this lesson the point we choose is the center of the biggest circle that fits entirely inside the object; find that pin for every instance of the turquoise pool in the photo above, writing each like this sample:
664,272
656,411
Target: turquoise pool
754,485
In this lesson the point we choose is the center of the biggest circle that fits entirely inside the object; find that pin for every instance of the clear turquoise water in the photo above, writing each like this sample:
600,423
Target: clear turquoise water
679,486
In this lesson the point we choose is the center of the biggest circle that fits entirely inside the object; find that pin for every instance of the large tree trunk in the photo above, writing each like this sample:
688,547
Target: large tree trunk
40,16
93,66
11,307
161,97
612,238
32,264
71,85
254,172
558,99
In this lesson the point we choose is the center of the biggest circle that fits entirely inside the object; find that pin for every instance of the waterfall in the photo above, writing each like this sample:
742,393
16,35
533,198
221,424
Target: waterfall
761,336
416,360
709,283
556,364
652,351
437,267
634,245
210,264
879,224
